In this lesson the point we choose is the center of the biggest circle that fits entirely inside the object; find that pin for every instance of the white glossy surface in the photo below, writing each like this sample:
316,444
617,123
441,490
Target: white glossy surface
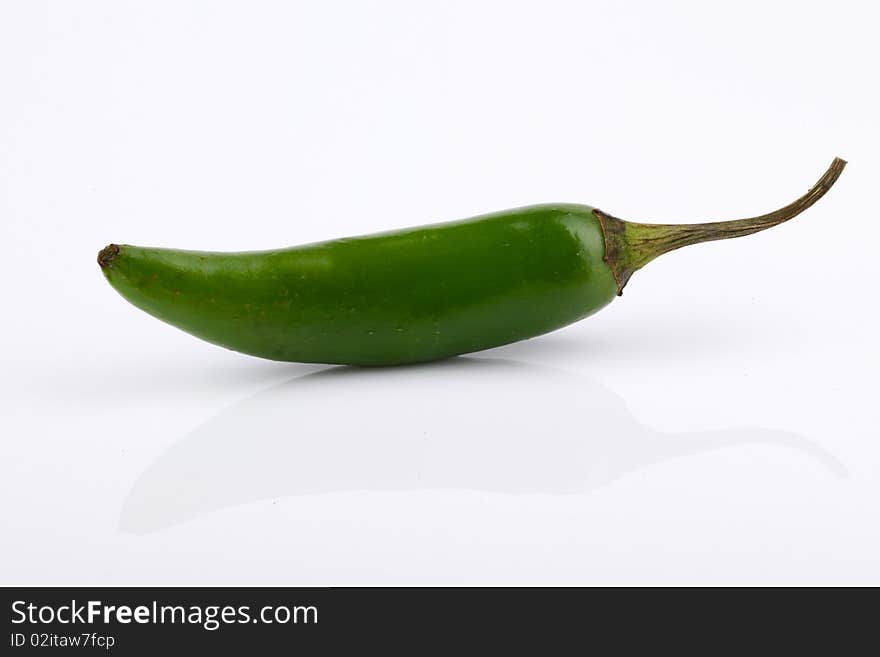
718,424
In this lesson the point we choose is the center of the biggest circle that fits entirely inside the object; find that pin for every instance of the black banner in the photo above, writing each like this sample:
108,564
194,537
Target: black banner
134,621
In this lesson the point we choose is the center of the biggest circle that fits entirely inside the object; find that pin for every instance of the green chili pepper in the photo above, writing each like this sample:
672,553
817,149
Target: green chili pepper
412,295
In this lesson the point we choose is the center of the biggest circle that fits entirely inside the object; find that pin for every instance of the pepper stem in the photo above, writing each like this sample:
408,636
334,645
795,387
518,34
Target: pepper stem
629,246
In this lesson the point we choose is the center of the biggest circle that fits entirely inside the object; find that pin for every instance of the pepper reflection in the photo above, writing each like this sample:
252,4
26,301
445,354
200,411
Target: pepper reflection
466,423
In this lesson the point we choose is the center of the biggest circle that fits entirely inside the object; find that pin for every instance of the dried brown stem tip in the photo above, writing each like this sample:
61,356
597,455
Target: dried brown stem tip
107,254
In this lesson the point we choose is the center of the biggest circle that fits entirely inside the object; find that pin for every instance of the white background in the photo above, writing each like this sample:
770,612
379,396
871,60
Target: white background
717,424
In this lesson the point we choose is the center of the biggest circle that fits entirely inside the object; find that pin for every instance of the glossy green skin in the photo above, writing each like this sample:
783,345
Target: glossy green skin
400,297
